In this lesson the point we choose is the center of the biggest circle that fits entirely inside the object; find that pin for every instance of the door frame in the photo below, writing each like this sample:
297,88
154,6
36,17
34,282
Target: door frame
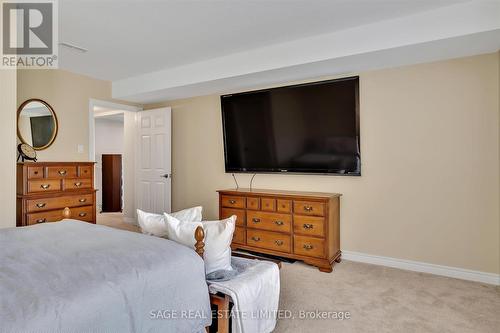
117,109
109,105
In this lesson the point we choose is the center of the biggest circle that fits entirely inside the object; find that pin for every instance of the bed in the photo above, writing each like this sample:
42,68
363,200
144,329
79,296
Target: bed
73,276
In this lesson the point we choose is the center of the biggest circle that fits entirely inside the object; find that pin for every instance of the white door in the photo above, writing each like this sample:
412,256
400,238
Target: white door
153,162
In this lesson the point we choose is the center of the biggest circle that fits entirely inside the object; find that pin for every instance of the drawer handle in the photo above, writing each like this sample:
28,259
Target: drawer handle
41,220
255,220
62,172
308,208
232,202
82,200
45,186
36,172
279,222
278,242
308,247
82,214
41,205
257,239
308,226
78,184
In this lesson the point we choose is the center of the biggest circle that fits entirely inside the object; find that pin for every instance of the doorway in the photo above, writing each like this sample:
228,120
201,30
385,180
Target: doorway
109,149
112,135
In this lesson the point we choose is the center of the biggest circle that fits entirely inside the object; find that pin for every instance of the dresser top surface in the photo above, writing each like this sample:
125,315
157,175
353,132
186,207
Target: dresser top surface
54,163
282,193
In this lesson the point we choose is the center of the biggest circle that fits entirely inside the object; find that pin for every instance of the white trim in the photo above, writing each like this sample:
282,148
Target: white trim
417,266
108,113
106,104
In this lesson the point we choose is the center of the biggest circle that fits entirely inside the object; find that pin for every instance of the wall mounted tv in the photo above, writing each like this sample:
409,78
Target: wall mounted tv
306,128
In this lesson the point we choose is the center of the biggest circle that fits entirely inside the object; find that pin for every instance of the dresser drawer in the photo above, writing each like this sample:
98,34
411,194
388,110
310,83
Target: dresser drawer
269,240
228,212
268,204
309,225
308,246
36,205
253,203
35,172
283,206
85,172
77,183
61,171
44,185
49,216
84,213
309,208
239,236
233,201
269,221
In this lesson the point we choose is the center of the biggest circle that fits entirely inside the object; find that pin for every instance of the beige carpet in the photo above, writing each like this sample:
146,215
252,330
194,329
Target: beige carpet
379,299
115,220
382,299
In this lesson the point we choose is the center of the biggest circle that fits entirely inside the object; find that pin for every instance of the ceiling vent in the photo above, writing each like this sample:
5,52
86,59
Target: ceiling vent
74,47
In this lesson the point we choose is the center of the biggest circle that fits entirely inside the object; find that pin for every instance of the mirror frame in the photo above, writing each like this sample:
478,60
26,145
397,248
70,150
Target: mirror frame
56,125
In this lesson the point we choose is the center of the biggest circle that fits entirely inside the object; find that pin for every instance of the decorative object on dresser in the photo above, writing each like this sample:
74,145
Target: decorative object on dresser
25,152
52,191
298,225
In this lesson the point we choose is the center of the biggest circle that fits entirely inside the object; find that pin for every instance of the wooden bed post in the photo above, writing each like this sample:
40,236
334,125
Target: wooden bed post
221,301
199,246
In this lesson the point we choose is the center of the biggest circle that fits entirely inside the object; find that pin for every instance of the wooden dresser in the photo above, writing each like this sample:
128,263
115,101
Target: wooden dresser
298,225
52,191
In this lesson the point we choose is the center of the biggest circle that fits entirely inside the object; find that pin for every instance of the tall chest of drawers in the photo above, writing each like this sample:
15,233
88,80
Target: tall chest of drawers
52,191
298,225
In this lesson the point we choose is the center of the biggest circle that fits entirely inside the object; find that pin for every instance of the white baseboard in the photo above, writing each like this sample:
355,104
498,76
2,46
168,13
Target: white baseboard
454,272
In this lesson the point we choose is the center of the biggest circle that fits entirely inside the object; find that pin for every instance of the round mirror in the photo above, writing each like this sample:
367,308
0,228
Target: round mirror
36,124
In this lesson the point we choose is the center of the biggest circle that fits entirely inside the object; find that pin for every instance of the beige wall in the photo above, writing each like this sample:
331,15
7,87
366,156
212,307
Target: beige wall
430,153
69,95
8,140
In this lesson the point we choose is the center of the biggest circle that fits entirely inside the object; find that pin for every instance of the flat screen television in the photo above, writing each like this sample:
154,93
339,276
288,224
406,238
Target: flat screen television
306,128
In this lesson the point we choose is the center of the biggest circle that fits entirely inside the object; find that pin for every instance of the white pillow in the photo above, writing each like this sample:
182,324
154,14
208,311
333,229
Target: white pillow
218,237
188,215
154,224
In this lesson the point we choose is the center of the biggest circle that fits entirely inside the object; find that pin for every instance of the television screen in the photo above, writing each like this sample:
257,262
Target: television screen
307,128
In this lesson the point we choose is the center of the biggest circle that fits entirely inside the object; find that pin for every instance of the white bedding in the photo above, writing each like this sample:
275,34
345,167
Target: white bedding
74,276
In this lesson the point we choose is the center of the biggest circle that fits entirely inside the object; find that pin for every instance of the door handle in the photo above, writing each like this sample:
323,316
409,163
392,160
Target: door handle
167,175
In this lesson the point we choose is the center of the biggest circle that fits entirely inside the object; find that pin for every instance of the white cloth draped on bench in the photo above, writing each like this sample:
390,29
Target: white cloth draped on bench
254,293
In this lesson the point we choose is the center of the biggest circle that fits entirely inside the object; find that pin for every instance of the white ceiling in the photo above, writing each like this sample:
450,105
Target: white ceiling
125,38
160,50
